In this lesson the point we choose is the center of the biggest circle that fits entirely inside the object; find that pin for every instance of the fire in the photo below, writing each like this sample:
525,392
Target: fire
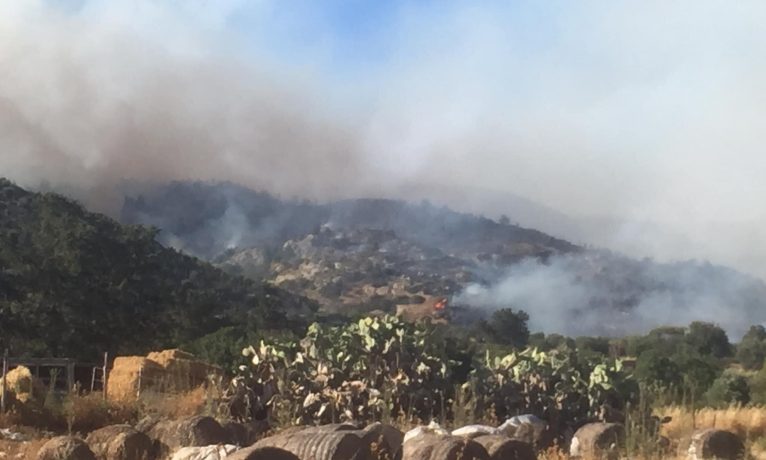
440,305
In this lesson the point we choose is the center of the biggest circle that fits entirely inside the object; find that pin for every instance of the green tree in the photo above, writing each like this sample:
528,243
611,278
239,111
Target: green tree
751,351
656,368
729,388
507,327
709,339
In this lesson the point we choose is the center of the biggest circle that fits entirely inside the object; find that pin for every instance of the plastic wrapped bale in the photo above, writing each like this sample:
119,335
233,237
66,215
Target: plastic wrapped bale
217,452
327,445
120,442
170,435
262,453
65,448
436,447
713,443
500,447
527,427
473,431
431,428
597,440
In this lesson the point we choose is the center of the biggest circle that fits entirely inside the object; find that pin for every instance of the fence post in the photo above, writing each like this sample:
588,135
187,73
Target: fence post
104,372
70,366
5,374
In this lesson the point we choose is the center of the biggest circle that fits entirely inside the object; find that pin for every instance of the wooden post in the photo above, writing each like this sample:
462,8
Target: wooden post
5,374
105,372
70,376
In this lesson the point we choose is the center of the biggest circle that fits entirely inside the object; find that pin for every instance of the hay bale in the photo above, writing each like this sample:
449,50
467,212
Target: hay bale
65,448
171,435
245,434
597,440
120,442
385,434
330,428
262,453
337,445
442,447
165,357
182,370
713,443
500,447
23,385
131,374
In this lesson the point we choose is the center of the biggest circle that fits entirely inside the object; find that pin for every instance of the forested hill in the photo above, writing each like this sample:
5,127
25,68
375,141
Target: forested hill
74,283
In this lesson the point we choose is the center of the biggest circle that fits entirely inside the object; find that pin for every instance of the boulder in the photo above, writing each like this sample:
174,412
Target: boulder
120,442
442,447
500,447
65,448
713,443
597,440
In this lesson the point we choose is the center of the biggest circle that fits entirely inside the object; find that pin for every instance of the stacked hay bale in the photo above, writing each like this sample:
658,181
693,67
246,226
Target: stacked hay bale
131,374
162,371
182,370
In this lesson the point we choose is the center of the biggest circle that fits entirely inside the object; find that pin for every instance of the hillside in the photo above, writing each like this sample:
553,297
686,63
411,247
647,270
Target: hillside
366,254
352,270
75,283
208,218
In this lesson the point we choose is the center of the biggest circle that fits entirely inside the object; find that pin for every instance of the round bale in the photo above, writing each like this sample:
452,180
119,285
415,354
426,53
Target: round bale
713,443
436,447
262,453
170,435
65,448
120,442
597,440
329,445
500,447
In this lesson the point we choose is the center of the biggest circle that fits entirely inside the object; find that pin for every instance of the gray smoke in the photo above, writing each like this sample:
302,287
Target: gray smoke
604,294
89,99
598,111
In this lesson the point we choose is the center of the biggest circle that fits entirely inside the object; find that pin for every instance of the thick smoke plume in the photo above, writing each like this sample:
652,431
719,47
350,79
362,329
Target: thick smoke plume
88,99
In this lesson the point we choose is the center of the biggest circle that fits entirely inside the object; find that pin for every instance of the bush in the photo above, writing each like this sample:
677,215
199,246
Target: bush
729,388
751,352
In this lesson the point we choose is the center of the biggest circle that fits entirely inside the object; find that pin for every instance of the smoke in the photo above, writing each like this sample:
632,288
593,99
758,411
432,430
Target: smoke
605,294
91,98
643,115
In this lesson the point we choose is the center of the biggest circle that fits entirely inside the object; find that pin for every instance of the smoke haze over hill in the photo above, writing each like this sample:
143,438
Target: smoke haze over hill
590,108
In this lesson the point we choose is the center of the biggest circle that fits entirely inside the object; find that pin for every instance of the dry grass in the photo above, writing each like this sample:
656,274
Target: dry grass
747,422
21,450
178,405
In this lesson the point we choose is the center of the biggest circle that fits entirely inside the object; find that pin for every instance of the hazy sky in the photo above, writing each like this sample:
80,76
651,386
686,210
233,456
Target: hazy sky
646,111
